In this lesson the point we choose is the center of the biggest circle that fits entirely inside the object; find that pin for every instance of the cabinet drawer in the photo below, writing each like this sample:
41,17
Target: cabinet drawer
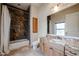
70,51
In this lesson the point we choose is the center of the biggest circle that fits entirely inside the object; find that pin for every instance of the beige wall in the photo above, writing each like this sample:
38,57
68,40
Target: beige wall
33,13
42,12
71,17
43,21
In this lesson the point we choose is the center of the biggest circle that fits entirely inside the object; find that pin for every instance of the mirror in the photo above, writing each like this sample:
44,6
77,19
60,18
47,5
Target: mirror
65,22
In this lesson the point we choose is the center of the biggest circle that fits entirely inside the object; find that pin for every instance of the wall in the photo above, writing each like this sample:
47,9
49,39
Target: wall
42,12
68,15
33,13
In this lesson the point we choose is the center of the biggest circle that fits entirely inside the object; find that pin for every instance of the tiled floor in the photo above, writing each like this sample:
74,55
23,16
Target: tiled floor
26,52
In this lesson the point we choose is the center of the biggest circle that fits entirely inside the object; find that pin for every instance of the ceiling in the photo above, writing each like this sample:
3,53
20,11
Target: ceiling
23,6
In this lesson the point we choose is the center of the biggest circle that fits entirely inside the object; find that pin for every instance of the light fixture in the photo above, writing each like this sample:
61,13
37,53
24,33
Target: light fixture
56,7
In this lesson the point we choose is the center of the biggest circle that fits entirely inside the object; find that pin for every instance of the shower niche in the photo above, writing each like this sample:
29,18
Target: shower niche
20,24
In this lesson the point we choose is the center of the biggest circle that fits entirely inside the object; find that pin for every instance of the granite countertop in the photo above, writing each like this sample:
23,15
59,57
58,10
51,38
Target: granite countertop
56,41
72,47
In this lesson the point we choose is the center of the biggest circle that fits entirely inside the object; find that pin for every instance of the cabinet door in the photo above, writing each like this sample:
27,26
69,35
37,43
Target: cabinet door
35,25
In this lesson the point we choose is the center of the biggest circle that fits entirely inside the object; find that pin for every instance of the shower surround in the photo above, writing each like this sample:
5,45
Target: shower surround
20,24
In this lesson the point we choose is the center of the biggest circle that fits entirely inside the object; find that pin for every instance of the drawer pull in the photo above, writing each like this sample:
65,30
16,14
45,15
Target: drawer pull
51,48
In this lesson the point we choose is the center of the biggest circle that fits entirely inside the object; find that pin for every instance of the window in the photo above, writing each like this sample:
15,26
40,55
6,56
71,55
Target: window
60,29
